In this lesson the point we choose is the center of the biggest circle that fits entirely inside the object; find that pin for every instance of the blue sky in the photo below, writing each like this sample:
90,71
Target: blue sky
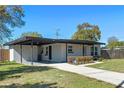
46,19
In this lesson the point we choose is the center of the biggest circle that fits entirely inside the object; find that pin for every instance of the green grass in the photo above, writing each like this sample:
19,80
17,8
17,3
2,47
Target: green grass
17,75
112,65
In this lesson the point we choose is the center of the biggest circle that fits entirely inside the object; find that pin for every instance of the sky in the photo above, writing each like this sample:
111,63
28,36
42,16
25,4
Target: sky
47,19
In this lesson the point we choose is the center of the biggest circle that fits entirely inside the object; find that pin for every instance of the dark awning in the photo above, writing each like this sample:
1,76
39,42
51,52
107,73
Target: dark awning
42,41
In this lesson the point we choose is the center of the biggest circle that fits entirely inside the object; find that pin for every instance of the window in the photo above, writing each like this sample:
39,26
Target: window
92,51
70,50
46,51
96,51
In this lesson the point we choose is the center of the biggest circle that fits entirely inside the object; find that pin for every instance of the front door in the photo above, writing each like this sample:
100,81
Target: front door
50,52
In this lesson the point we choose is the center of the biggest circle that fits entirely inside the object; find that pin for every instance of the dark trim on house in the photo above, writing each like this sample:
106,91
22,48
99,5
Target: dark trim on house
32,52
93,50
66,52
42,41
83,49
50,52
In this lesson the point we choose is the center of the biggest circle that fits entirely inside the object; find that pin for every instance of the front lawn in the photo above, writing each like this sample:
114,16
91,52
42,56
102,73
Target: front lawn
17,75
112,65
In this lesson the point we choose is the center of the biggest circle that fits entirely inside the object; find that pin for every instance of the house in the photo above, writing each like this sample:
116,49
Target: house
31,49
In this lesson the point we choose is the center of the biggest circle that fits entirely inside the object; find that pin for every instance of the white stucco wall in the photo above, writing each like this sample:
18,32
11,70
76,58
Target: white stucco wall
26,53
99,50
58,52
16,53
77,50
11,51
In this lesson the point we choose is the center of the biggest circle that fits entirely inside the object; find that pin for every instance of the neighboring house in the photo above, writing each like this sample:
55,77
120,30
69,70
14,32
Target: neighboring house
38,49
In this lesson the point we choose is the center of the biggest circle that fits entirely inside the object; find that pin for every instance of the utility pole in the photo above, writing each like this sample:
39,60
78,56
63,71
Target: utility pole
57,33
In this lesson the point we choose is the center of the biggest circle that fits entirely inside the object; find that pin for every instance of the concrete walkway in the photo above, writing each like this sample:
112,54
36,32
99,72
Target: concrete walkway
104,75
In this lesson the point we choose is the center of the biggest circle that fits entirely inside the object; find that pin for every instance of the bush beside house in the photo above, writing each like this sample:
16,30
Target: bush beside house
79,59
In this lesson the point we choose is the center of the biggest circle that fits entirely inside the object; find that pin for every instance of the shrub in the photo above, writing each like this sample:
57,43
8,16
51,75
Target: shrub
88,59
70,59
80,59
100,59
96,58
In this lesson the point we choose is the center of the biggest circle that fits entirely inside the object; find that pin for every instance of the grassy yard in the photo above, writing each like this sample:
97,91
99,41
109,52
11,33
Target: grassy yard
17,75
112,64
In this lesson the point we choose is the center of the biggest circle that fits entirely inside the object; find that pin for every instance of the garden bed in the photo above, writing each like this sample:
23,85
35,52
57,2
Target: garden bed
80,59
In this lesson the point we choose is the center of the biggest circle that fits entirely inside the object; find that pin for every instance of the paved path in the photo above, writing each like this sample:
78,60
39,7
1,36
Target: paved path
104,75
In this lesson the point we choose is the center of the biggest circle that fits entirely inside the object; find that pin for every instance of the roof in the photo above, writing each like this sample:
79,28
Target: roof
41,41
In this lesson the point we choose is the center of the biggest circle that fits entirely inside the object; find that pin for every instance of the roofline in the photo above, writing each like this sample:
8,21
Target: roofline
28,38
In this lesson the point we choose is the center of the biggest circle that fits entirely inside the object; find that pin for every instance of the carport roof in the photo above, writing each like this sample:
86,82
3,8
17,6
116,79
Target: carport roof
41,41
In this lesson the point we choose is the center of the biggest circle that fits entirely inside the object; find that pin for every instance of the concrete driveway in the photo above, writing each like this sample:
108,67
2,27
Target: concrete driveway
104,75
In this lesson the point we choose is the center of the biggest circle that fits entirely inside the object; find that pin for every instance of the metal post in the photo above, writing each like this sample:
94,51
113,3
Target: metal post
93,50
83,49
32,53
66,52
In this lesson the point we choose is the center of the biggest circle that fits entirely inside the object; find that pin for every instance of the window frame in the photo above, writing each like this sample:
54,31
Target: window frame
46,52
96,51
70,49
92,51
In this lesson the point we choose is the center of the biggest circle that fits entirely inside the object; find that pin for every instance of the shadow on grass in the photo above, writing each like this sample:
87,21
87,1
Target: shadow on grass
21,69
35,85
7,63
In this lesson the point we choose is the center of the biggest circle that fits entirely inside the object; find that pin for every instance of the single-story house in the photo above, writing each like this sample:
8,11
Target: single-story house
37,49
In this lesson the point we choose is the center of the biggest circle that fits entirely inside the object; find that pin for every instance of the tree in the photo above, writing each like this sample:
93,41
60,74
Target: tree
87,31
121,43
112,39
113,42
10,17
32,34
112,45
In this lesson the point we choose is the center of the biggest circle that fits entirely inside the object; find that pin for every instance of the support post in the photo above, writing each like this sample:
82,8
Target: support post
83,49
21,52
93,50
32,52
66,52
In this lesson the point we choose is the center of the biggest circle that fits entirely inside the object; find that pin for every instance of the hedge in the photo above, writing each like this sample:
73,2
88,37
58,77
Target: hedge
79,59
